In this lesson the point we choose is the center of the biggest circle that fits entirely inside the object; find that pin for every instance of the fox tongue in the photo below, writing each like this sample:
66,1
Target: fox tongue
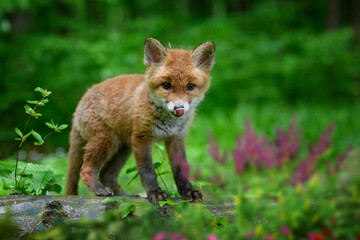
179,112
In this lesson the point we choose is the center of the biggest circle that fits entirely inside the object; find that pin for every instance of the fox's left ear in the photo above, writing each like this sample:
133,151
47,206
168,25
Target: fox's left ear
203,55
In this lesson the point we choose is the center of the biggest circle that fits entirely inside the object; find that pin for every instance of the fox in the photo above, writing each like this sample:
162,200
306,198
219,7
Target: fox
129,113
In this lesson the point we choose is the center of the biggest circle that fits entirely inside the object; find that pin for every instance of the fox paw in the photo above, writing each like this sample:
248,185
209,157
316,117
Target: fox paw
101,191
192,194
157,195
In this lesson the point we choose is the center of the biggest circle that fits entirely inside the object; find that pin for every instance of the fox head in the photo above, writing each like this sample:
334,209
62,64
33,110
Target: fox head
178,79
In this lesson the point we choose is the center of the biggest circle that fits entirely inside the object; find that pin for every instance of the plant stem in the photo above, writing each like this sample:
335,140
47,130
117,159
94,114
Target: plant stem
22,141
163,161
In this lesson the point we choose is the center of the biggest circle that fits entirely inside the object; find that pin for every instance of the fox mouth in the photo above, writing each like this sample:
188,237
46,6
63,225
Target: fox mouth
178,112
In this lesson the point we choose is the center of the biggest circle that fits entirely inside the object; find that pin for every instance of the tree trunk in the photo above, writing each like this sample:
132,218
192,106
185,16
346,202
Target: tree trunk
333,14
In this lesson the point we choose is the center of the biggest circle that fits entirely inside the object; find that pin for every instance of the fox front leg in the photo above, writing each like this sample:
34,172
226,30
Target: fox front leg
142,151
175,148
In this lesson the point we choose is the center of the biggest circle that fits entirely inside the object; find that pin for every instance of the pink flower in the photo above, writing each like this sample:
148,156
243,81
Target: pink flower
175,236
270,237
160,236
212,237
250,235
286,231
214,151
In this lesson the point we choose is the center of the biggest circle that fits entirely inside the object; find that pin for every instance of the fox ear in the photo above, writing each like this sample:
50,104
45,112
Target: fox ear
203,55
154,51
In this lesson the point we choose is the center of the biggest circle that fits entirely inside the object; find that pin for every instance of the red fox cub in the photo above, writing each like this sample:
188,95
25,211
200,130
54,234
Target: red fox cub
128,113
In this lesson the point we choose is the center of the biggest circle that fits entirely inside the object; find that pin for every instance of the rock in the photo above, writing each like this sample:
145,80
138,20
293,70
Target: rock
33,213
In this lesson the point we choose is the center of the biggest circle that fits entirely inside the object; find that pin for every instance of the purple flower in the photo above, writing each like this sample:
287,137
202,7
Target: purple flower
287,143
239,156
285,230
250,235
341,159
214,150
306,168
160,236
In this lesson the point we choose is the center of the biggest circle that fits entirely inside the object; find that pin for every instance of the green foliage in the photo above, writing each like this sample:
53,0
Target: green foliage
42,181
35,179
127,205
288,61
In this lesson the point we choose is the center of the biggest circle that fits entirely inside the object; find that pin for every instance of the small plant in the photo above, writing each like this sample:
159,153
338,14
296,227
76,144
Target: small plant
42,179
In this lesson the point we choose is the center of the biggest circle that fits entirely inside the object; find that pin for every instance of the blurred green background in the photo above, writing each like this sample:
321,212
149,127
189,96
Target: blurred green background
274,58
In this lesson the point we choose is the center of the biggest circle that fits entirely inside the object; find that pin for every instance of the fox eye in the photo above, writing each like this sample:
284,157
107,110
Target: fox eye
166,85
190,87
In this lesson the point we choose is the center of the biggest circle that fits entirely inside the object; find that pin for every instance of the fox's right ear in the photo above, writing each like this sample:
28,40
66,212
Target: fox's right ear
154,51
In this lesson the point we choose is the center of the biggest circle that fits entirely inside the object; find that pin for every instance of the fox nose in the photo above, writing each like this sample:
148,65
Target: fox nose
178,106
179,110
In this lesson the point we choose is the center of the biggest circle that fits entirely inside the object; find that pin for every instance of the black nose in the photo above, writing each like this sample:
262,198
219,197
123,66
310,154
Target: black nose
178,106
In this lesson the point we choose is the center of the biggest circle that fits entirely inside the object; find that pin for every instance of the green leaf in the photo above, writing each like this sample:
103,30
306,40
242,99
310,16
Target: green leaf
29,110
27,135
63,126
33,102
157,165
39,89
126,209
45,92
42,103
37,115
38,137
135,176
6,186
40,179
18,132
50,125
127,205
168,201
130,170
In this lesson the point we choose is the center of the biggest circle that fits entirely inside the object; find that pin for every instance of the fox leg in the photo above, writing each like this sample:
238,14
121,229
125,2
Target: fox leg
98,150
175,148
142,149
76,153
110,171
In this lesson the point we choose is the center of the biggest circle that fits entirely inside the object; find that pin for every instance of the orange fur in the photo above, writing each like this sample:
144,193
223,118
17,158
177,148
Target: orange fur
129,112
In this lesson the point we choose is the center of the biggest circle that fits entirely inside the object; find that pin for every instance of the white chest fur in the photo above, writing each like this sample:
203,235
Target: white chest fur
170,126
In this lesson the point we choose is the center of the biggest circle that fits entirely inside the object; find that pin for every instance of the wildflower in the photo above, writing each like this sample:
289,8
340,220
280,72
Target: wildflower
259,230
258,193
299,188
214,150
285,230
160,236
250,235
212,237
237,200
280,199
315,218
307,204
314,181
270,237
174,236
316,236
